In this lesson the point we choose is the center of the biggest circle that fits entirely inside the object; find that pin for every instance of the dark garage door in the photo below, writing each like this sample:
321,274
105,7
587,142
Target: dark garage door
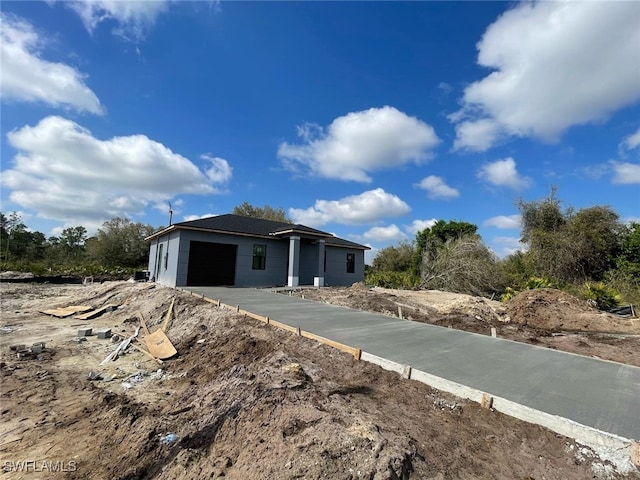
211,264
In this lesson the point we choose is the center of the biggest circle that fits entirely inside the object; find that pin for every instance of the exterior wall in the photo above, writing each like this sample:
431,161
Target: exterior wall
175,246
275,272
308,262
164,269
336,274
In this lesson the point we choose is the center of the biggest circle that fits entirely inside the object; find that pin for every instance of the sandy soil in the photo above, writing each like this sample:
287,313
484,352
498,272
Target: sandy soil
242,400
544,317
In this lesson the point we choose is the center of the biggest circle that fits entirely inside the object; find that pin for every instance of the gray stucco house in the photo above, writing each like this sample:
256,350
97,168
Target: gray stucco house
242,251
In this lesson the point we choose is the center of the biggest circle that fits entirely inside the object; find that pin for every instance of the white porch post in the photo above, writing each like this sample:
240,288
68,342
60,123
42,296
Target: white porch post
319,280
294,262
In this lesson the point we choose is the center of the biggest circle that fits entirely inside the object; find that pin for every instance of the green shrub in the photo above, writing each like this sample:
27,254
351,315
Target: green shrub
390,279
604,296
531,283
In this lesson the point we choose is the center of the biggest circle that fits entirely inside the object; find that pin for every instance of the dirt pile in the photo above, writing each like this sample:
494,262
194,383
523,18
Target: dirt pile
555,310
241,400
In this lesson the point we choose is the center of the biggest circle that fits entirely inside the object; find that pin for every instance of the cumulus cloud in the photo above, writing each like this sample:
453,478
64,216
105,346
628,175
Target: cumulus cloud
504,222
632,141
543,80
503,173
367,207
419,225
625,172
188,218
64,173
132,18
437,188
385,234
505,246
220,171
27,77
359,143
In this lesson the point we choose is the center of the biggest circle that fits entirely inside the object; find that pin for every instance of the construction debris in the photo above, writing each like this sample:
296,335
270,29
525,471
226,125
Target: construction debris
63,312
121,348
96,313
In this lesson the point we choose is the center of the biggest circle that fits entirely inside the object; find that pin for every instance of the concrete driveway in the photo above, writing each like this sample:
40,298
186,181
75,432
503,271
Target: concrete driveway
600,394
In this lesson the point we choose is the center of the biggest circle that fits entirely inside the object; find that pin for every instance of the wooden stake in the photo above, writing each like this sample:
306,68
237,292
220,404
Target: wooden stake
168,317
143,323
399,311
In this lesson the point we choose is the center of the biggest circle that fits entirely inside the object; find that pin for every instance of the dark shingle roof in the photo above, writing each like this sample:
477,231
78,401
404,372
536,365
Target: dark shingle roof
248,225
242,225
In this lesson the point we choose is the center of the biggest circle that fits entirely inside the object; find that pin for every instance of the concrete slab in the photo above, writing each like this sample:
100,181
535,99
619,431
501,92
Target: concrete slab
596,393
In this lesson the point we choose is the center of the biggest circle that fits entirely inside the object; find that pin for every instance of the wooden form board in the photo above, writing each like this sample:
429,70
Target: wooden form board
63,312
159,345
97,312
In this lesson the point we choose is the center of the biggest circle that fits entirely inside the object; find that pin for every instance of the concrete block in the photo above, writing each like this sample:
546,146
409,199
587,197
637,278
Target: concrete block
103,333
487,401
494,333
37,347
406,372
84,332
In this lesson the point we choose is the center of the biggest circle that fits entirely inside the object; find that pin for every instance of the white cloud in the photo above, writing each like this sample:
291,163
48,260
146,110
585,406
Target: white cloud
133,18
385,234
445,87
507,246
27,77
64,173
368,207
503,173
625,172
437,188
359,143
543,81
504,222
632,141
478,135
188,218
220,171
419,225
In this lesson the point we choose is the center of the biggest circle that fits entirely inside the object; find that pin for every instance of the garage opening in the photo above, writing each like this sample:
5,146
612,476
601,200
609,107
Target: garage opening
211,264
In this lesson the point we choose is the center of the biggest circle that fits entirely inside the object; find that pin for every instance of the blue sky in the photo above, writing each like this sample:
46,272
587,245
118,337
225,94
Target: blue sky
369,120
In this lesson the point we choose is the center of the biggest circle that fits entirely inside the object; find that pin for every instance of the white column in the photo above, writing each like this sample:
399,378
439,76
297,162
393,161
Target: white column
319,280
294,262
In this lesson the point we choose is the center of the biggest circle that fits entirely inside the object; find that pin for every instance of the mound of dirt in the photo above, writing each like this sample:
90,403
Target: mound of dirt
241,400
555,310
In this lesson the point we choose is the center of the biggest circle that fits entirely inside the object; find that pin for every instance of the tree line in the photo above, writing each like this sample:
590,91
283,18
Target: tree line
117,246
588,252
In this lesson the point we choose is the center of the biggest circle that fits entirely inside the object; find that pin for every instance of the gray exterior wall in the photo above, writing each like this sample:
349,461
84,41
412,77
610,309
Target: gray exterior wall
275,272
176,245
164,270
336,274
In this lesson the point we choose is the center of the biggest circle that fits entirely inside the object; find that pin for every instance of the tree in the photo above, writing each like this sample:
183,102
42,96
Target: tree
267,212
462,265
595,234
71,243
570,246
120,242
434,238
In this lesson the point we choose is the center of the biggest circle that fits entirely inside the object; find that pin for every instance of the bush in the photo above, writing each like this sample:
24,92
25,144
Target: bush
603,296
390,279
530,284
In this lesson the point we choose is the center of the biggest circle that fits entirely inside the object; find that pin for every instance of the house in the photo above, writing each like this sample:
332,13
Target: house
251,252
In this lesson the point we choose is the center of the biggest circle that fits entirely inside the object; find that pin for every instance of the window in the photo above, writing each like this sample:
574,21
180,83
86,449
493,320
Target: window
351,262
259,257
